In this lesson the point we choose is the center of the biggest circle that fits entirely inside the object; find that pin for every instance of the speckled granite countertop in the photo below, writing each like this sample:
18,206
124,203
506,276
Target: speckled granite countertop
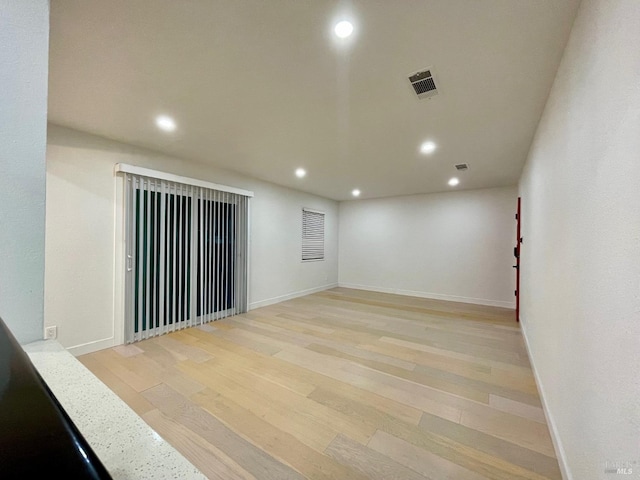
125,444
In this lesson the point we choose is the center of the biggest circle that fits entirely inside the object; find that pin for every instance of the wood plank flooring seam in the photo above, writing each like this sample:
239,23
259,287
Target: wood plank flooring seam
343,384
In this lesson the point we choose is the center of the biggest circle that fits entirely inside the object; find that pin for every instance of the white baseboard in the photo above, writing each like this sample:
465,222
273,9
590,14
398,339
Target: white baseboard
434,296
289,296
96,345
553,430
91,347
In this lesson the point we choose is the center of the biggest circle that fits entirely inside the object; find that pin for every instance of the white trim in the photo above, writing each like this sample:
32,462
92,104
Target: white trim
147,172
304,209
248,272
434,296
91,347
553,429
289,296
119,256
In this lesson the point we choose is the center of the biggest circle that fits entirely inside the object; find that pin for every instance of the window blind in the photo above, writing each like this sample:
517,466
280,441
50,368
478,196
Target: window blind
312,235
187,255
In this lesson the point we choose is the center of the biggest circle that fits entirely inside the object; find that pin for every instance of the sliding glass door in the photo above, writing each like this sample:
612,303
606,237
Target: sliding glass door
186,256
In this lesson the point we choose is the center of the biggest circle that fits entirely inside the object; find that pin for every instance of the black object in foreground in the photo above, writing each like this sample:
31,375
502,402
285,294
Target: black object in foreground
37,437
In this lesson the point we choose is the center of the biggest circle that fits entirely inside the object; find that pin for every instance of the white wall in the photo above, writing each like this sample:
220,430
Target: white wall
81,243
24,56
453,246
581,253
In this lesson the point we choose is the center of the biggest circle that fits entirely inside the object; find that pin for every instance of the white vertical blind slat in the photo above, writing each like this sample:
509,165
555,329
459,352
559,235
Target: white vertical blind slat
211,255
154,263
200,259
194,250
174,256
235,257
147,260
225,250
130,239
245,253
216,233
140,257
183,257
178,276
164,274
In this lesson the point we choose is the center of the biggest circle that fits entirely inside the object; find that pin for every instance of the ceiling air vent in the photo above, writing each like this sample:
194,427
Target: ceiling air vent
462,166
424,84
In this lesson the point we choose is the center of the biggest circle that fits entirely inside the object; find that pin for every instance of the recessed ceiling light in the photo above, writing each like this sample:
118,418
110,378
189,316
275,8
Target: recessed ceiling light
427,147
165,123
300,172
343,29
356,193
454,181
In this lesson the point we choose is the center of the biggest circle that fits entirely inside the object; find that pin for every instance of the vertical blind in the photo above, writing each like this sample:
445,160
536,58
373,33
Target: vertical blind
187,249
312,235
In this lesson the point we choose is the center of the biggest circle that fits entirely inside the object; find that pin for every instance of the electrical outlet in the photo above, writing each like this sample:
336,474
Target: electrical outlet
50,333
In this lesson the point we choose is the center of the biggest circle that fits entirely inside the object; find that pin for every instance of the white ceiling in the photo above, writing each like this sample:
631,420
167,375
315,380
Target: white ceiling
263,87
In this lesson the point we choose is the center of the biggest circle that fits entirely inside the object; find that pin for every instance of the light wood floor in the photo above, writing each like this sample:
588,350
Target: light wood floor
343,384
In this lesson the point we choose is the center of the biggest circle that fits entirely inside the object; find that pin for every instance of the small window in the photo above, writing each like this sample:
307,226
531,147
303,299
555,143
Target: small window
312,235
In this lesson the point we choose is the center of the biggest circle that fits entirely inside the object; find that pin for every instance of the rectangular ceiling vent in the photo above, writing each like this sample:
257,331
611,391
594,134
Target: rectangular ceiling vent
424,84
462,166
